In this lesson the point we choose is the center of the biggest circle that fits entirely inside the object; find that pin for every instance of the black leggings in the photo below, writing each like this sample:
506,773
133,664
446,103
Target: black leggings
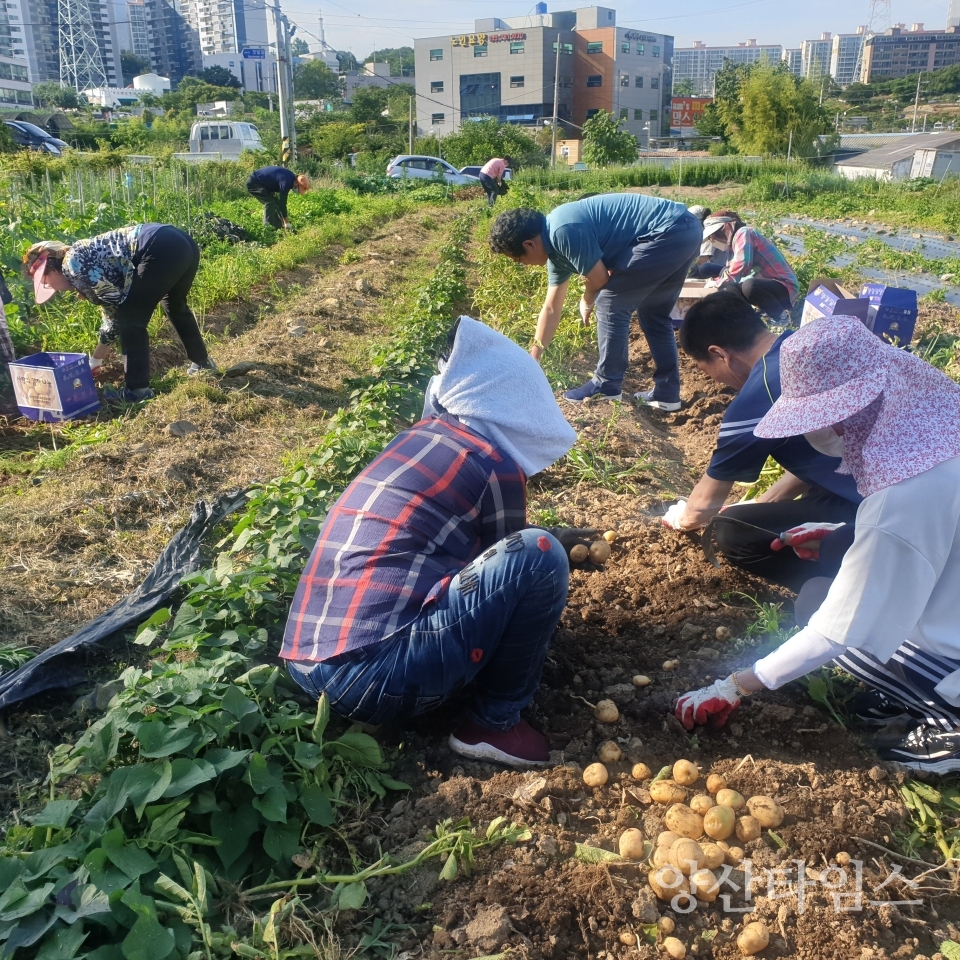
490,187
274,204
768,296
166,267
751,549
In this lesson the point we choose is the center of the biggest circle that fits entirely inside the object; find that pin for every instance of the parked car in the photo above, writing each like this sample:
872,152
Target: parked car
475,172
427,168
32,137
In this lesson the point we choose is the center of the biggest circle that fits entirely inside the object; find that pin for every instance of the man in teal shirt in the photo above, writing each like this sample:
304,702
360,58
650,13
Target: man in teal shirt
633,252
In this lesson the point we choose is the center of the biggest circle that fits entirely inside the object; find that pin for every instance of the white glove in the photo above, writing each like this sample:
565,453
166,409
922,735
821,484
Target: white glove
674,514
711,704
95,363
585,311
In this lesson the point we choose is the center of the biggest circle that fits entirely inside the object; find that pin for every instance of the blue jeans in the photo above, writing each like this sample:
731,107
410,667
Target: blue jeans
490,629
648,278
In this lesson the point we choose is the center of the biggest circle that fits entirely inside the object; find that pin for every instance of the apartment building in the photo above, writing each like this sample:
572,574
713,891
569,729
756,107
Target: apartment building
793,58
700,63
139,30
815,57
900,52
15,87
845,56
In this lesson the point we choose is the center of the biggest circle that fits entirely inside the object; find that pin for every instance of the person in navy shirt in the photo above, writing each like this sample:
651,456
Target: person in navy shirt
729,342
271,186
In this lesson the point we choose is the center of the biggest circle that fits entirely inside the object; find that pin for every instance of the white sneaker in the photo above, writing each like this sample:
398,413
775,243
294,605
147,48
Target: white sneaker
646,398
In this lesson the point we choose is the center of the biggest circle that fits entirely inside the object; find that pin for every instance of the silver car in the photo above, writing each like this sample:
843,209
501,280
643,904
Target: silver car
427,168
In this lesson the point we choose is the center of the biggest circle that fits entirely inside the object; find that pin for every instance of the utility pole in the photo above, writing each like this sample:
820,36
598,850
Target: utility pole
556,107
287,148
916,103
410,145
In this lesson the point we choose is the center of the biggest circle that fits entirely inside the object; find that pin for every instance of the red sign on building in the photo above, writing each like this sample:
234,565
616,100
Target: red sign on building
685,113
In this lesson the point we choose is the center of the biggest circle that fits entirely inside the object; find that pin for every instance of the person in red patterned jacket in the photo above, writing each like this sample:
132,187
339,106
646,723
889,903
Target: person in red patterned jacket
425,578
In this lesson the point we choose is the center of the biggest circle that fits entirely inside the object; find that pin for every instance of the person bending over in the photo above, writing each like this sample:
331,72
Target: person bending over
890,615
491,178
730,343
271,186
633,252
426,578
754,266
126,273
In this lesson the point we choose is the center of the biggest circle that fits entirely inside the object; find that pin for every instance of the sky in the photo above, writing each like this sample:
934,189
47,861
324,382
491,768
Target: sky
364,25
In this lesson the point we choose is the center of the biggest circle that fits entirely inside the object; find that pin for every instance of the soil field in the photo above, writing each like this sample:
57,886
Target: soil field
72,545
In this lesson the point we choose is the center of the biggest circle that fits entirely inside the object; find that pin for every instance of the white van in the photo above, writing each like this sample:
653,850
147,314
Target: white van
228,138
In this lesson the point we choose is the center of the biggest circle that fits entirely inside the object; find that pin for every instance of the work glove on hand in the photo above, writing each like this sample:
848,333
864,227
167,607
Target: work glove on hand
805,539
569,537
710,705
585,311
672,517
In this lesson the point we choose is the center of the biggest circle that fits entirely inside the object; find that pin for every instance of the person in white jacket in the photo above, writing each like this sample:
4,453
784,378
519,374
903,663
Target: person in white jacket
890,615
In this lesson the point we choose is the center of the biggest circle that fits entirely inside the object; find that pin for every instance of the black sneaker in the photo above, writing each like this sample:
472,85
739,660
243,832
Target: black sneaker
876,709
926,748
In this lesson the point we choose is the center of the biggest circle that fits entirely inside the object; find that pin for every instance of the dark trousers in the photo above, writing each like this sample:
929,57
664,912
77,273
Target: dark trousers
706,271
768,296
647,278
274,204
168,263
750,549
490,187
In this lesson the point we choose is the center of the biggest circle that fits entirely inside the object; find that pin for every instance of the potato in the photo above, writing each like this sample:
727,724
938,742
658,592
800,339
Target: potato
685,773
609,752
719,822
661,857
631,844
595,775
579,552
641,681
733,856
701,803
704,886
641,771
730,798
628,938
753,938
611,536
715,783
686,856
843,858
681,819
666,791
599,551
748,828
606,712
674,948
666,925
671,664
667,882
713,856
667,838
766,810
723,633
723,845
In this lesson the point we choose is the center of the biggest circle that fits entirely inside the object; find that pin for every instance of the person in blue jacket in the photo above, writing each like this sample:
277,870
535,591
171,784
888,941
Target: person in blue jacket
271,186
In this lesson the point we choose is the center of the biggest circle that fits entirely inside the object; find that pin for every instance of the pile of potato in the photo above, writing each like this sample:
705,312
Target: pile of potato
695,843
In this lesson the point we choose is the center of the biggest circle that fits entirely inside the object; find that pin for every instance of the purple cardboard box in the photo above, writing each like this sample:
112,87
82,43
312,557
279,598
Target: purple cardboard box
893,312
54,386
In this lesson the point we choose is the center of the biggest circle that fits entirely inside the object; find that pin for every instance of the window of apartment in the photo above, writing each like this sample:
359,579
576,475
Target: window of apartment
436,86
437,117
595,81
656,51
566,82
623,113
436,54
516,46
7,95
564,47
480,51
625,46
592,113
516,82
638,115
638,81
654,83
24,96
595,46
653,116
641,48
624,80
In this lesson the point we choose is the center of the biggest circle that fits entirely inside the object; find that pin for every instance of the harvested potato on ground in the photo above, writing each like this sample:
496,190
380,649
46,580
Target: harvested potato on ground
609,752
610,536
631,844
686,855
681,819
640,680
599,551
667,882
701,803
753,938
704,886
579,552
667,839
713,856
674,948
766,810
671,664
719,822
666,791
730,798
843,858
595,775
606,712
716,783
748,828
641,771
628,938
685,773
661,857
733,856
666,925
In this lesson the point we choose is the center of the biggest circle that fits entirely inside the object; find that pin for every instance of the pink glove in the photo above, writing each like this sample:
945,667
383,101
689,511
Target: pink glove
712,704
805,539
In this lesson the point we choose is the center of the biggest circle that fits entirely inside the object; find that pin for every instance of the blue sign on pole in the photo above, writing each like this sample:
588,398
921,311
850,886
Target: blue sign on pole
254,53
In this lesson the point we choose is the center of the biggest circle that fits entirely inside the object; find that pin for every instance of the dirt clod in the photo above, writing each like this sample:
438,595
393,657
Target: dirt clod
181,428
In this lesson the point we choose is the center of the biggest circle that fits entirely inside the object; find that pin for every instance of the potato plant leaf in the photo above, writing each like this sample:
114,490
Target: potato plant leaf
587,854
